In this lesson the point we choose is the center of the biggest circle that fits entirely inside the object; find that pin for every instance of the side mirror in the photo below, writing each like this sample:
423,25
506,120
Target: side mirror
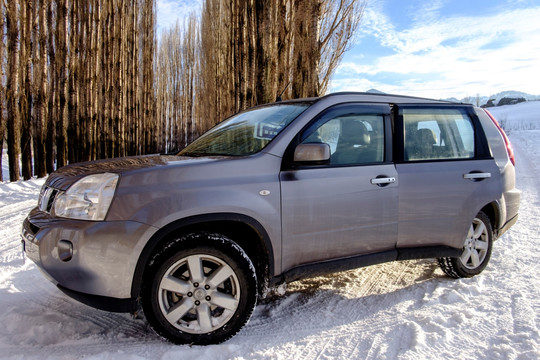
312,153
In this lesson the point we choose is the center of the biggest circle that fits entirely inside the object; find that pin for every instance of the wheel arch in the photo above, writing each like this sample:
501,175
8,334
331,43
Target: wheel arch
247,232
493,212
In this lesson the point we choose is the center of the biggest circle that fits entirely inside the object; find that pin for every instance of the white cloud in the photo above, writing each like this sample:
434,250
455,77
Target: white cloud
429,11
377,24
465,55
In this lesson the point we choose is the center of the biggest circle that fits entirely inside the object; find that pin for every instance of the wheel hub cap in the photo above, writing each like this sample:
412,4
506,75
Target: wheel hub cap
199,294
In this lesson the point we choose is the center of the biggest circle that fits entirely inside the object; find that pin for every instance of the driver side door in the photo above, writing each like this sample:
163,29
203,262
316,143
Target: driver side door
348,205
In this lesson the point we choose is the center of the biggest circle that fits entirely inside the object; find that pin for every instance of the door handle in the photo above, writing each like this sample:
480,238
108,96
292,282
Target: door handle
476,176
383,180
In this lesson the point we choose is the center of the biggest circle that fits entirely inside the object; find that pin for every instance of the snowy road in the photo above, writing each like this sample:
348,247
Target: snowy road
401,310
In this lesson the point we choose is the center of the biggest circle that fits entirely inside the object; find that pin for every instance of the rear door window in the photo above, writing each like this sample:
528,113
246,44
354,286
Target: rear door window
437,134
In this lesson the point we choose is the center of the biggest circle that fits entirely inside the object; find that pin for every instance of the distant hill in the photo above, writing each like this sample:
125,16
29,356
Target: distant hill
483,99
374,91
496,97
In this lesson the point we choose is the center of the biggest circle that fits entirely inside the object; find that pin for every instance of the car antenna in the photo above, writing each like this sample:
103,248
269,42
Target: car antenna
278,99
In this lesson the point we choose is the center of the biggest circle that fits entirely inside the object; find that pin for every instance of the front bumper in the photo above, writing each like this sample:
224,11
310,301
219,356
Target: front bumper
103,257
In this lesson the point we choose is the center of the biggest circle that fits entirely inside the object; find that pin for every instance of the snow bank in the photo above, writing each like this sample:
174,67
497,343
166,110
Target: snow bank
522,116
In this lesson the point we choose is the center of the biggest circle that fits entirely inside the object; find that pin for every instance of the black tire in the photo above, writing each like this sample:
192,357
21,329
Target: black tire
476,250
199,289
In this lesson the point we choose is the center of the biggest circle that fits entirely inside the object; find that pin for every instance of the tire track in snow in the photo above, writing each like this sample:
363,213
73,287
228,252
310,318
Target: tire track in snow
349,299
522,313
52,307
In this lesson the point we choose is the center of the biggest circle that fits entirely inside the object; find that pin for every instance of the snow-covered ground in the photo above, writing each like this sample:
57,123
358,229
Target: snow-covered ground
522,116
400,310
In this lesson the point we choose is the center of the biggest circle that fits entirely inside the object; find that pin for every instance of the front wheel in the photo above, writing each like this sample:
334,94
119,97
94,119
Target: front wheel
200,290
476,250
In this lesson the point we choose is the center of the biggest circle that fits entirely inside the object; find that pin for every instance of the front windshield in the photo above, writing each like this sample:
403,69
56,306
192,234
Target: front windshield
245,133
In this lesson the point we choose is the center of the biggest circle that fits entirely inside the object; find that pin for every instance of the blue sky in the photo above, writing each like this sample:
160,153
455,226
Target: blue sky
436,48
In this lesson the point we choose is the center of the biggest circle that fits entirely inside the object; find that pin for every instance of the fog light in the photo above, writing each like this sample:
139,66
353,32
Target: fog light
65,250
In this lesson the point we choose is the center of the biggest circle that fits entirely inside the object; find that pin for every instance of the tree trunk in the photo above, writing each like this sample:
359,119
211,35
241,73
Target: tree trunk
25,96
73,140
61,121
2,89
41,92
52,98
306,49
12,86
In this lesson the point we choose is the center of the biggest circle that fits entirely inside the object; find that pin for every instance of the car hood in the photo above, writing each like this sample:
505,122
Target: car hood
64,177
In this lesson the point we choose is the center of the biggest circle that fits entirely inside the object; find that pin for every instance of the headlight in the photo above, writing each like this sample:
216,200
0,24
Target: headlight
87,199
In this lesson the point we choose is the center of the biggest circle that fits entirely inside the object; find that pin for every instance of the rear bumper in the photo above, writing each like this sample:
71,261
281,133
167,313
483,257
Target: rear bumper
507,226
510,208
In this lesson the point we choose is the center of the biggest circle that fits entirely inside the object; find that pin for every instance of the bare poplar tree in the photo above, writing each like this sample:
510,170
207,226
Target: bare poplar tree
306,49
134,103
50,148
215,85
96,80
61,55
191,71
167,70
147,103
73,59
12,83
26,95
25,84
2,87
340,20
284,42
40,58
82,83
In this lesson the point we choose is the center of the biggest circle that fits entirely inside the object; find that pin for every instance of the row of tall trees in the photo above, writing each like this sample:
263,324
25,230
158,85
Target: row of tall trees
272,47
240,53
77,81
178,101
89,79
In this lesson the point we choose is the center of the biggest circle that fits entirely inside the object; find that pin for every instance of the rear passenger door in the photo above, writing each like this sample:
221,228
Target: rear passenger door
446,174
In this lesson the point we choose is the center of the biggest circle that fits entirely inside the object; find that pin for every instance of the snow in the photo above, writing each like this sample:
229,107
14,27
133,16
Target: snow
522,116
5,165
400,310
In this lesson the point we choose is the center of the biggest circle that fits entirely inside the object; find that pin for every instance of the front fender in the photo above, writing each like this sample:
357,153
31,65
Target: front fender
161,236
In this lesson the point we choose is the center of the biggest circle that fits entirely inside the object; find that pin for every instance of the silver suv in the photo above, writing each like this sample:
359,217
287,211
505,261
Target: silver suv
274,194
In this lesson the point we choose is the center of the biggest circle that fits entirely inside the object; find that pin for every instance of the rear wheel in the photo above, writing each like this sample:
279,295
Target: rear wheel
200,290
476,250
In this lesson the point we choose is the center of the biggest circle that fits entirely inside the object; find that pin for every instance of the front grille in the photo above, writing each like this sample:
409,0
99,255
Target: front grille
46,198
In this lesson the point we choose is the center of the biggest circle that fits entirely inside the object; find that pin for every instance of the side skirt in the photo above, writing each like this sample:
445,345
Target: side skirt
332,266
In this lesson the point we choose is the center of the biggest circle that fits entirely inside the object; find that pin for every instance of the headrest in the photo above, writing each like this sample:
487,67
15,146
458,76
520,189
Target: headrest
354,132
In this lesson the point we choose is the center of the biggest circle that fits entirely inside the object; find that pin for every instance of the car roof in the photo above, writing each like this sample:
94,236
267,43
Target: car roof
374,98
389,98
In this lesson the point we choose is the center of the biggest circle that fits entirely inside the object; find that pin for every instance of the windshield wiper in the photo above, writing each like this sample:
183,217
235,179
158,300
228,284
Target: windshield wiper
200,154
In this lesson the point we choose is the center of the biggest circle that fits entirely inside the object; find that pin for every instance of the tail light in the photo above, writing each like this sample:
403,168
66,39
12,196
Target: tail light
509,148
